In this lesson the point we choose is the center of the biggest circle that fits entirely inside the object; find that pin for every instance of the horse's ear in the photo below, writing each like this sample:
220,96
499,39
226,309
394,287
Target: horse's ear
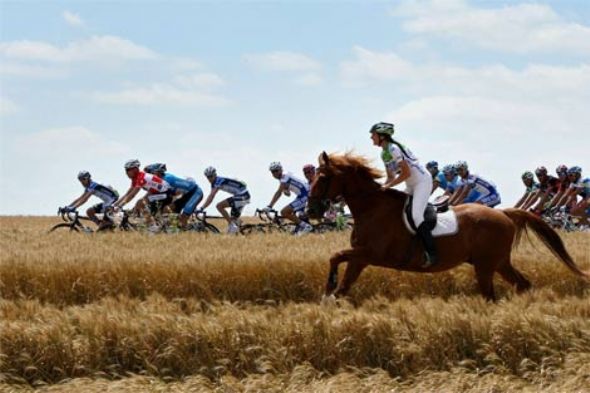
324,159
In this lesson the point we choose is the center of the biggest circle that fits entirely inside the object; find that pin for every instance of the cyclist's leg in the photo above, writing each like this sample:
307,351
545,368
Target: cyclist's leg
225,204
93,211
238,202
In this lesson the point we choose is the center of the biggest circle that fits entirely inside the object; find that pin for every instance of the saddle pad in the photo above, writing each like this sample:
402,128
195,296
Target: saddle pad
446,224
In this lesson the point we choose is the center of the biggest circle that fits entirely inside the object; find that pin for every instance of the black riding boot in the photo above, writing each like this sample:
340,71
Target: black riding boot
428,242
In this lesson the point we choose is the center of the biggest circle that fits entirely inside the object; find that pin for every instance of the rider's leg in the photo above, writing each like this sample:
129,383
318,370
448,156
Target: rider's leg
221,208
421,193
580,210
289,214
189,208
91,213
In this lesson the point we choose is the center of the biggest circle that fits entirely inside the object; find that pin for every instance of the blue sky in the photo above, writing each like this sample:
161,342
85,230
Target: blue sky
88,85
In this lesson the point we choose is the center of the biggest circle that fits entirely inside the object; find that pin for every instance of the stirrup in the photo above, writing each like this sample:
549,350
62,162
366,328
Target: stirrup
429,260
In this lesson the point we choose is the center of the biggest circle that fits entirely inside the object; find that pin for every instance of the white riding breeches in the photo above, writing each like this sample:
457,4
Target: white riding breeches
420,191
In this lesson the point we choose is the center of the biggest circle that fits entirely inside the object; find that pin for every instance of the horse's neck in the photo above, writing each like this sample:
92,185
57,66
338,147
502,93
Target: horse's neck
363,197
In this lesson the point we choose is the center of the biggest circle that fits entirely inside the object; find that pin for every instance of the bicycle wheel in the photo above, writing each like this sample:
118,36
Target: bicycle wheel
248,229
211,228
67,225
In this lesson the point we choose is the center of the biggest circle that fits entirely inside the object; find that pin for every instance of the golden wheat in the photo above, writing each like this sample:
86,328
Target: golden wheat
216,313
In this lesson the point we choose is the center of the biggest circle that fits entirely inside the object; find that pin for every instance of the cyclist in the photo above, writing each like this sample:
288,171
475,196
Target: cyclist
309,173
453,180
402,166
288,184
438,178
188,191
564,185
240,197
474,189
157,190
548,188
106,193
581,187
530,193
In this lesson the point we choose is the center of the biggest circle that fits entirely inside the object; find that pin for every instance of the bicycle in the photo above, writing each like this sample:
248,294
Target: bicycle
272,221
120,221
72,221
201,225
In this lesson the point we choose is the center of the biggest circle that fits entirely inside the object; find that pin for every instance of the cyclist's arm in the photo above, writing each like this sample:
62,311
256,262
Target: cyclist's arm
277,195
463,194
393,180
522,200
81,200
456,195
435,184
129,195
557,198
534,197
209,198
542,200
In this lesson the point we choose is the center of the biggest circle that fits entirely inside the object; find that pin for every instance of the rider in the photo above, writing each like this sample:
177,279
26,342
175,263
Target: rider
189,191
309,173
438,178
401,165
530,193
288,184
548,187
156,187
453,180
106,193
240,197
474,189
581,187
564,185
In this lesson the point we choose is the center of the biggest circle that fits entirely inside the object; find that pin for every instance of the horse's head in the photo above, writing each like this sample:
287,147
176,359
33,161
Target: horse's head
339,175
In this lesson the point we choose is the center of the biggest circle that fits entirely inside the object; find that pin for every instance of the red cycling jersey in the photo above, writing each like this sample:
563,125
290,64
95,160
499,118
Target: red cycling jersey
151,183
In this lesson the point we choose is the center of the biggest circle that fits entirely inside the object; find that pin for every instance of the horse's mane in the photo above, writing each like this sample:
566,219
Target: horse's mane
361,165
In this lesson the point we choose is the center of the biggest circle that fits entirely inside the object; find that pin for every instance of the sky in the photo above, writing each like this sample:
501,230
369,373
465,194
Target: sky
503,85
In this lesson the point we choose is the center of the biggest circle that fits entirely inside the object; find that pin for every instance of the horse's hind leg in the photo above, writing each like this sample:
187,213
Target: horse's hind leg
353,271
485,279
336,260
514,277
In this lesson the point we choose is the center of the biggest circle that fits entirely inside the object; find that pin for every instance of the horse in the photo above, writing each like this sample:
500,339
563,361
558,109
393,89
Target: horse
485,237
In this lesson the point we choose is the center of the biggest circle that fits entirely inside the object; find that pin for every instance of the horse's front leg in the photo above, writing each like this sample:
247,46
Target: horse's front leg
352,273
336,259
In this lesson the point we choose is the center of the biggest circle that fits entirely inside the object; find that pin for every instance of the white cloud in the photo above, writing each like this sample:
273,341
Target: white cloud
161,94
7,107
282,61
309,79
96,48
205,80
520,28
72,19
373,65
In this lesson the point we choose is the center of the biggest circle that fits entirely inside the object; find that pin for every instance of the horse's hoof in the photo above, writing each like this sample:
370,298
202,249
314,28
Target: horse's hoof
329,300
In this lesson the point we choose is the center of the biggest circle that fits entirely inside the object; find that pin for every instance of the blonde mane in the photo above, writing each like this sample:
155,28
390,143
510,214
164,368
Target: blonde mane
345,161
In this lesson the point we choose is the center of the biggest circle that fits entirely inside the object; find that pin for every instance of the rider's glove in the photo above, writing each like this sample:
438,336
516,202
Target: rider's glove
69,209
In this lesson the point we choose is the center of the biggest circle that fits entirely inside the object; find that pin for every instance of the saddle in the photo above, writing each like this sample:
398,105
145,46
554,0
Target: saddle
430,214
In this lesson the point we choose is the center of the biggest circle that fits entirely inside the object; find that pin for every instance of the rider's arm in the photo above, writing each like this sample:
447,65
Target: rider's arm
435,184
521,201
80,201
209,198
534,197
129,195
461,195
542,200
393,180
277,195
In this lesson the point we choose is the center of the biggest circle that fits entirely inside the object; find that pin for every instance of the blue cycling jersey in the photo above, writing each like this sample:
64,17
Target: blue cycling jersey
479,184
107,194
180,184
441,179
297,186
232,186
582,187
453,184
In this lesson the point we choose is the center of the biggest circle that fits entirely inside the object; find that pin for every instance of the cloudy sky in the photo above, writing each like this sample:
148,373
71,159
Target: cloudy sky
87,85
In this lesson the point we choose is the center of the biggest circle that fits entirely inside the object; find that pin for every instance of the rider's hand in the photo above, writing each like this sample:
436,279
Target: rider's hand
69,209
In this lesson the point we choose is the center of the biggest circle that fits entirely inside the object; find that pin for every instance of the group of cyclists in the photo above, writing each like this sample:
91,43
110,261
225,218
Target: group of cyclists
179,195
569,191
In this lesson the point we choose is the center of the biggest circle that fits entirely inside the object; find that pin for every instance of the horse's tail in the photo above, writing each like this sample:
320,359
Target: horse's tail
525,220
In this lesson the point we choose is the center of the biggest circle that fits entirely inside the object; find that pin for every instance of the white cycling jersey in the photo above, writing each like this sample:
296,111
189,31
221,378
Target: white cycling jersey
295,185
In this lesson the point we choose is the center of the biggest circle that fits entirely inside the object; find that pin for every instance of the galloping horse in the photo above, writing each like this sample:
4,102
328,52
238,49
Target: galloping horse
485,237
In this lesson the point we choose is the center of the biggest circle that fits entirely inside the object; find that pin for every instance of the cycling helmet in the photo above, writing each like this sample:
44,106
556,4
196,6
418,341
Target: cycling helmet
83,175
383,129
432,164
528,175
157,167
575,169
210,171
448,170
461,164
541,171
562,169
275,166
308,168
132,164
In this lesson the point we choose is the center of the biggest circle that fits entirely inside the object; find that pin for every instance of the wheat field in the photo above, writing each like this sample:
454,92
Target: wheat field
205,313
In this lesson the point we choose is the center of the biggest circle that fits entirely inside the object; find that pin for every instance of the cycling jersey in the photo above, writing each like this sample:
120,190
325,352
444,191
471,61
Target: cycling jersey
392,157
180,184
232,186
534,187
551,185
106,193
441,179
151,183
582,187
453,184
295,185
480,185
564,184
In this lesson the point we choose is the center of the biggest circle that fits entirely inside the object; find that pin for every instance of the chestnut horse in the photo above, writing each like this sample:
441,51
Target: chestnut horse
485,237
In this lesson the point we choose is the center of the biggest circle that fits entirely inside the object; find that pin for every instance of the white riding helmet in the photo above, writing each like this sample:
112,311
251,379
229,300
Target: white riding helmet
275,166
132,164
83,175
210,171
